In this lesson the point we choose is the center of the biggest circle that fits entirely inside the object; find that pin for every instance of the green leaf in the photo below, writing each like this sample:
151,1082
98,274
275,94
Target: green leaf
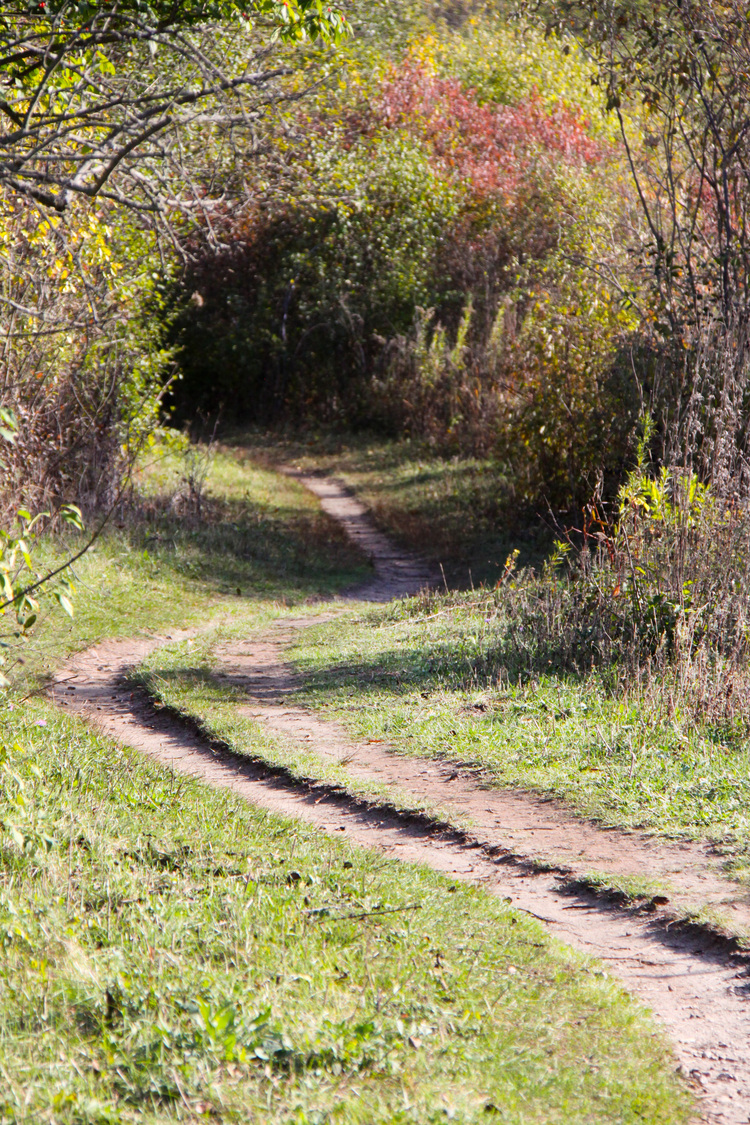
21,545
8,425
65,603
72,515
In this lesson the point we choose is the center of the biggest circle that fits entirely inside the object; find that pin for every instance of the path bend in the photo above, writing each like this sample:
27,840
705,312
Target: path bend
695,981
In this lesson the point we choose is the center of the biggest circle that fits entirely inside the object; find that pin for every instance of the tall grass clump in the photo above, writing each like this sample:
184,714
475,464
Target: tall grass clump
649,594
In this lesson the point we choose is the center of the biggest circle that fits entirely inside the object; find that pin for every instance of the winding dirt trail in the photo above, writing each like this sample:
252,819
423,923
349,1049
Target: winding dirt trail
696,983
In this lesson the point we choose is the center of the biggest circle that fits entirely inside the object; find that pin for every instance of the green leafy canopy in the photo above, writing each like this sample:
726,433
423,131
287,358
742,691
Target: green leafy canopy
292,19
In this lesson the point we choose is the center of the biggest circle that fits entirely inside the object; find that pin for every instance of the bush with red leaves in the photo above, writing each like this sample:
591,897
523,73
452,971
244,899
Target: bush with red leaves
492,148
439,202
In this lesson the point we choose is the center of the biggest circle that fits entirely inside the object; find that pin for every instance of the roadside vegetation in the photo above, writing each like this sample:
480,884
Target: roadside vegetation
170,953
490,266
434,679
202,534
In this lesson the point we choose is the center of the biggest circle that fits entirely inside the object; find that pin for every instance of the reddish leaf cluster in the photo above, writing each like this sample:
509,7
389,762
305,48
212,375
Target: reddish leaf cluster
491,147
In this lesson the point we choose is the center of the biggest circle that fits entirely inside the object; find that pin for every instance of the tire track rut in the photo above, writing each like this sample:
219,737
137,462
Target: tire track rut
695,981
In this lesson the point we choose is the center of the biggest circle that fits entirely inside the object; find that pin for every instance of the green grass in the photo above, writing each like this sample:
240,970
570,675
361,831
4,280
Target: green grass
260,532
170,954
431,678
456,510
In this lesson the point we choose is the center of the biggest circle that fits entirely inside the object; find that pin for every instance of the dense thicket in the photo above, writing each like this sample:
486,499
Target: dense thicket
449,262
116,120
503,244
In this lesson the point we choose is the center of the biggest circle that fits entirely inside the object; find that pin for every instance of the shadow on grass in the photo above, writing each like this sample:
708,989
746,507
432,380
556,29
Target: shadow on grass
237,546
212,685
451,668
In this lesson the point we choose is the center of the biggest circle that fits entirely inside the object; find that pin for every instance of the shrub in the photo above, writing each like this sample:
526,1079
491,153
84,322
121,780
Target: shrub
652,599
439,285
289,317
82,372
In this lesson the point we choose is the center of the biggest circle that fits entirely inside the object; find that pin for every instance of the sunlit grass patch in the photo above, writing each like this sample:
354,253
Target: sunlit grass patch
169,951
434,680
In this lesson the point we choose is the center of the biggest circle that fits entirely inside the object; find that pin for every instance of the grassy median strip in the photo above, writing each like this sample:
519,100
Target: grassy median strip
183,676
170,953
431,676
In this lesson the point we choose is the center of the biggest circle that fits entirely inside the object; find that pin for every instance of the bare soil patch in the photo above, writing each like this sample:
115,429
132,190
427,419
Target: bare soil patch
526,849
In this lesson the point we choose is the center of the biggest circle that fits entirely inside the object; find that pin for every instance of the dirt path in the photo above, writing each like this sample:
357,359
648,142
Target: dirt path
522,825
397,572
695,983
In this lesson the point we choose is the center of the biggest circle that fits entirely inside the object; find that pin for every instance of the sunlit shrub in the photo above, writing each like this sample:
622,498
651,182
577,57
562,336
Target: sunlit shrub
649,593
81,368
431,275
